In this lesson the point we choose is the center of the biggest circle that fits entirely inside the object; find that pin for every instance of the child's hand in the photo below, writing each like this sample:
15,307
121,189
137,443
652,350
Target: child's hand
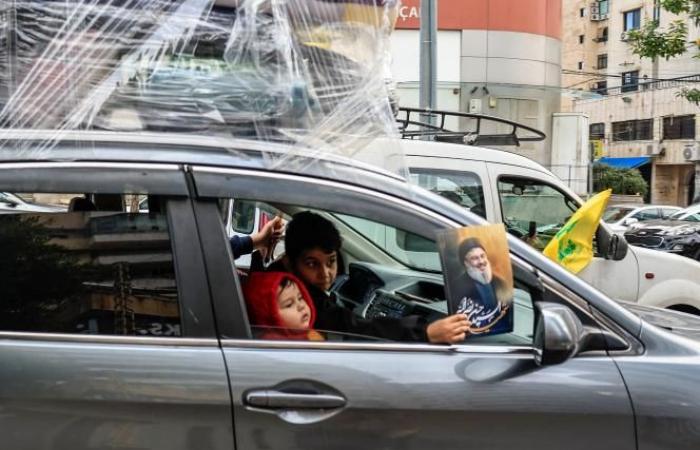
450,330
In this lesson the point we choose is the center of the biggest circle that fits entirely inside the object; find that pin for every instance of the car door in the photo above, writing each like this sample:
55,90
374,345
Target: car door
544,207
106,330
359,394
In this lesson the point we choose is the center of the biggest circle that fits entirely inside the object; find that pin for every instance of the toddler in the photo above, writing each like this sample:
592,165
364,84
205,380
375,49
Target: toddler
280,306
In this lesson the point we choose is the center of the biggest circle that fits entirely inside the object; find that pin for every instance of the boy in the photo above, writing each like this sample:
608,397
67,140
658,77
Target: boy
279,304
312,245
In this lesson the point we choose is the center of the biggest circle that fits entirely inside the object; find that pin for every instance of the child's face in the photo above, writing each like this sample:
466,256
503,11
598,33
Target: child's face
317,268
294,311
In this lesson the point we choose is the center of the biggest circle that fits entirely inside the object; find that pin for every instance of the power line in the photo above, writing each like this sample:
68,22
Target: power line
648,79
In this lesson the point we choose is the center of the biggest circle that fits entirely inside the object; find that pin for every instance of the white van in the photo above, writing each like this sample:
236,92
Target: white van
533,203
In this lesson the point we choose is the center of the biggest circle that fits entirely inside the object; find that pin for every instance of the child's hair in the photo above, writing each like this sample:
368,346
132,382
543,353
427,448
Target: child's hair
309,230
261,292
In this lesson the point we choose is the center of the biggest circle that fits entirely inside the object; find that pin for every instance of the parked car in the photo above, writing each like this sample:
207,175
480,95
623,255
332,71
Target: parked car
619,217
678,234
10,203
131,330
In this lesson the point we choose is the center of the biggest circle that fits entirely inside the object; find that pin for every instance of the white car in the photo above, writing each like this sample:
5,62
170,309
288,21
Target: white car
12,204
620,217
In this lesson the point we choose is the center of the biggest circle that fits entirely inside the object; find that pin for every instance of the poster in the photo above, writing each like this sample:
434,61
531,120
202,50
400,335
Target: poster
478,277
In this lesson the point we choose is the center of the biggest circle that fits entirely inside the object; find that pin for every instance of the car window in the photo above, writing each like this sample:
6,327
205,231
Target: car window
615,213
667,212
462,187
385,272
88,267
647,214
533,210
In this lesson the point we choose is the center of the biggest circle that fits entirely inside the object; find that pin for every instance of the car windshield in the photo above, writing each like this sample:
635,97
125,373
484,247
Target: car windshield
616,213
689,215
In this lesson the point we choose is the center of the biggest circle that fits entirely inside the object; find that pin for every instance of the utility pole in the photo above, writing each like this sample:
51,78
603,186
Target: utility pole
428,57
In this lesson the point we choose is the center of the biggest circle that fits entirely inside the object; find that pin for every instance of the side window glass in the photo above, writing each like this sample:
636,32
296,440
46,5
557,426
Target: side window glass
371,290
532,210
82,264
462,187
665,212
647,214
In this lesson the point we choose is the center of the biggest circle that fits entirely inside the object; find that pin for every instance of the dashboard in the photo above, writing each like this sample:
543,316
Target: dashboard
377,291
373,290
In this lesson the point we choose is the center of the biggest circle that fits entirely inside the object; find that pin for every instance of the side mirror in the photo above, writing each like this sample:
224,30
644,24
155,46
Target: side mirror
558,334
629,221
618,247
610,245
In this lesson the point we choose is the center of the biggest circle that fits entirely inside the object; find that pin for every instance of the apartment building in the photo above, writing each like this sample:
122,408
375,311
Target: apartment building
636,118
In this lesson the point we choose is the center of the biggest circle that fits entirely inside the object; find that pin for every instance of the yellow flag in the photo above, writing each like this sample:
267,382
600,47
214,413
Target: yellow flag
572,246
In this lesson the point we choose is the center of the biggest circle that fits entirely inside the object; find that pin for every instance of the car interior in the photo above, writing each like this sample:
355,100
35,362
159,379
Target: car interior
387,272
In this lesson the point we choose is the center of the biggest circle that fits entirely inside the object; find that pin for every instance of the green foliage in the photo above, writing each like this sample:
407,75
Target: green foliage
652,42
621,181
36,276
692,95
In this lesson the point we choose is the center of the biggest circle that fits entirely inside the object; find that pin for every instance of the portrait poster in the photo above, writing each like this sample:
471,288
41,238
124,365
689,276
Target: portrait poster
478,277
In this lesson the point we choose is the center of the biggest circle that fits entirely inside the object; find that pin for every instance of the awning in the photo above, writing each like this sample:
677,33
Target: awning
625,163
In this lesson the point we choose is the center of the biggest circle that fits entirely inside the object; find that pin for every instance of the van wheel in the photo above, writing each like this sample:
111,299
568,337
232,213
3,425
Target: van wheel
686,309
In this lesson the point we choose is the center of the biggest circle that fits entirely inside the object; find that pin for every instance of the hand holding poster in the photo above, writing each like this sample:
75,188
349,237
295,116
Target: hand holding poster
479,277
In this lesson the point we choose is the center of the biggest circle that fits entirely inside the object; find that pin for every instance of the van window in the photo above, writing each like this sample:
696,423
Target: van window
532,210
463,188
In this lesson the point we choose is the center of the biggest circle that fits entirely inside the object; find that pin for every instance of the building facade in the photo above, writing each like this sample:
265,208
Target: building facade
632,103
495,57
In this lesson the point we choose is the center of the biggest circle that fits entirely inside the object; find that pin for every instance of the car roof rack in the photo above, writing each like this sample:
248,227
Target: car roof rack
416,123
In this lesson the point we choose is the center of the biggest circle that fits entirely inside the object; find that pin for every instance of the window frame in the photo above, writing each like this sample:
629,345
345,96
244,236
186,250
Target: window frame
602,61
633,130
196,317
596,135
685,127
636,16
309,192
629,81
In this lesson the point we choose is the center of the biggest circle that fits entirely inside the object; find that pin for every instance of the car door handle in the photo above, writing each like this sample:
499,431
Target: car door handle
273,399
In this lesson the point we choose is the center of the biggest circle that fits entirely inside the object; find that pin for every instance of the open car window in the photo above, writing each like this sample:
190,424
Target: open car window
387,273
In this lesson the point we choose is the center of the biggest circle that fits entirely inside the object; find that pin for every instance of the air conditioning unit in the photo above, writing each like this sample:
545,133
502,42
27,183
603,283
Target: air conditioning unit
595,17
595,9
603,17
691,152
625,36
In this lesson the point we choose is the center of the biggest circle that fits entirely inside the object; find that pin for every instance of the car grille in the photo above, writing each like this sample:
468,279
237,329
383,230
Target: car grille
644,241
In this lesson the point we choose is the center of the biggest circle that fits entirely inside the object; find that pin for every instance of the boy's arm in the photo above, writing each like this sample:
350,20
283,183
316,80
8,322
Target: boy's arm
241,245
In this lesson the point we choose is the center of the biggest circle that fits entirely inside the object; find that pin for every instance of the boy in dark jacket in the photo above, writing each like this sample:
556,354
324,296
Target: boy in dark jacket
312,245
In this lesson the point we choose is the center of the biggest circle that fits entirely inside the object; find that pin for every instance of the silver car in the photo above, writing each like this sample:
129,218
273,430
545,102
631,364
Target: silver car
621,216
129,330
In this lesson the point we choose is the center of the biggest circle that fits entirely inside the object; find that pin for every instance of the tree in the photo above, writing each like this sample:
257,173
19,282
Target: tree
621,181
36,277
651,41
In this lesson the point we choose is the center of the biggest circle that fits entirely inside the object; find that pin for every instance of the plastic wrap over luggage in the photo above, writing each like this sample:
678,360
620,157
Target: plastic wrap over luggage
309,73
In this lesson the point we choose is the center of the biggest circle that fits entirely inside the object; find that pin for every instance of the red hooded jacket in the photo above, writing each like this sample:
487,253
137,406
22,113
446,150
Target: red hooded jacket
260,291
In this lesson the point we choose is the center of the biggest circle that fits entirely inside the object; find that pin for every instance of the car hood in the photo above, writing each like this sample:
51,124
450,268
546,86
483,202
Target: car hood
686,325
657,226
